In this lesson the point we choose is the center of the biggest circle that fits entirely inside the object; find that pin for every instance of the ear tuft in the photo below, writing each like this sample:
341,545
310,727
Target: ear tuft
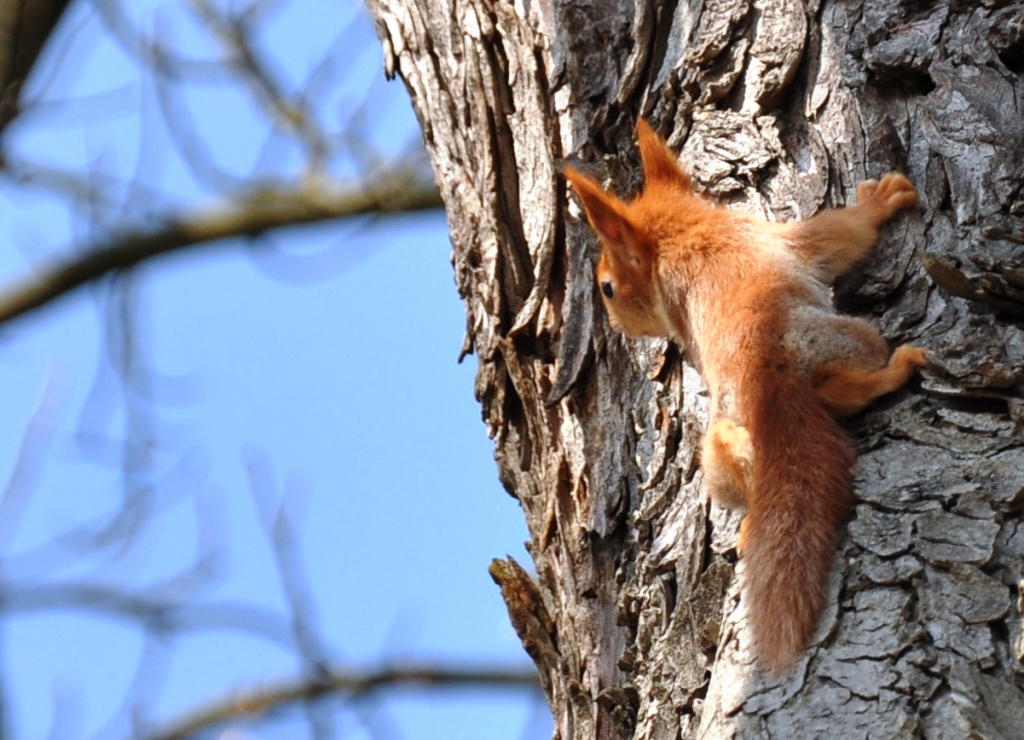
660,164
604,210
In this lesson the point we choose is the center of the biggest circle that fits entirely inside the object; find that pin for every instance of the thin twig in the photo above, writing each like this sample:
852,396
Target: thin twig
276,514
39,432
166,614
254,67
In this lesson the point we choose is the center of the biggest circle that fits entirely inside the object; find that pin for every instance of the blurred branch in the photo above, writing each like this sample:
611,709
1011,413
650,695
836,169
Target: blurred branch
260,211
278,518
25,26
38,434
79,190
164,614
236,37
150,52
351,684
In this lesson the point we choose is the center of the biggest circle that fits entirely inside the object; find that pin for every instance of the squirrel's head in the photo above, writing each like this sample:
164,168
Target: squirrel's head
626,270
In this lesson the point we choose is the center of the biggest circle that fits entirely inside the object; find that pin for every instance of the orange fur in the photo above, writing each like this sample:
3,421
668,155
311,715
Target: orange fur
749,302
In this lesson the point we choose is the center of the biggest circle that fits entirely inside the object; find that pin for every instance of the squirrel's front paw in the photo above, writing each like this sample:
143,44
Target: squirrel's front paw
893,193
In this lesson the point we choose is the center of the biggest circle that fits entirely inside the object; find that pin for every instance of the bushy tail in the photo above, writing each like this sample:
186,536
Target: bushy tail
802,464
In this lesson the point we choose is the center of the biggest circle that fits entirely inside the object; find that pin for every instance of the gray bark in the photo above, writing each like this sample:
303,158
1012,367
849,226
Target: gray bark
778,106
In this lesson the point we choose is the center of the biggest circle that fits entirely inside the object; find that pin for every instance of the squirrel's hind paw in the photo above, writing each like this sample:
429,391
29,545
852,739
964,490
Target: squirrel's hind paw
909,356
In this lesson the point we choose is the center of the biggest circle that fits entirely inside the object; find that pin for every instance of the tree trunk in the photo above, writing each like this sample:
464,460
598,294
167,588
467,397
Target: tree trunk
779,107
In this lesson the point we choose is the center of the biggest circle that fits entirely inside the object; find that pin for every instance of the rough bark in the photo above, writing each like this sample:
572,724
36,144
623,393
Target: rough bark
780,107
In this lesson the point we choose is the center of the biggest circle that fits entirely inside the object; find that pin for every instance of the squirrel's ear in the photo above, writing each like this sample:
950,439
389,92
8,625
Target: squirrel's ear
660,164
605,212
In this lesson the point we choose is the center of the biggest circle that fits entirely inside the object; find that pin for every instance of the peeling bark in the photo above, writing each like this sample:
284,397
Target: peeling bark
779,107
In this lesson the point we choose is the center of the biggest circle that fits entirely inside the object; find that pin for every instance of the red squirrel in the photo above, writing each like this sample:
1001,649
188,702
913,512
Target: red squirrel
749,301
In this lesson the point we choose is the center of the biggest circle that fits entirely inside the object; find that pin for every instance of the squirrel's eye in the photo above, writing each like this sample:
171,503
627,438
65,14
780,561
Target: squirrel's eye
606,288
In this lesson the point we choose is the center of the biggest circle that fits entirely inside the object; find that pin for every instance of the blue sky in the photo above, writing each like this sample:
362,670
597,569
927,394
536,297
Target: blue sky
346,386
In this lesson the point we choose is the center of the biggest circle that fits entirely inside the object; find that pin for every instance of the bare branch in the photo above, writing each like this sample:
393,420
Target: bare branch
82,191
182,129
296,116
155,612
277,517
395,192
350,684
